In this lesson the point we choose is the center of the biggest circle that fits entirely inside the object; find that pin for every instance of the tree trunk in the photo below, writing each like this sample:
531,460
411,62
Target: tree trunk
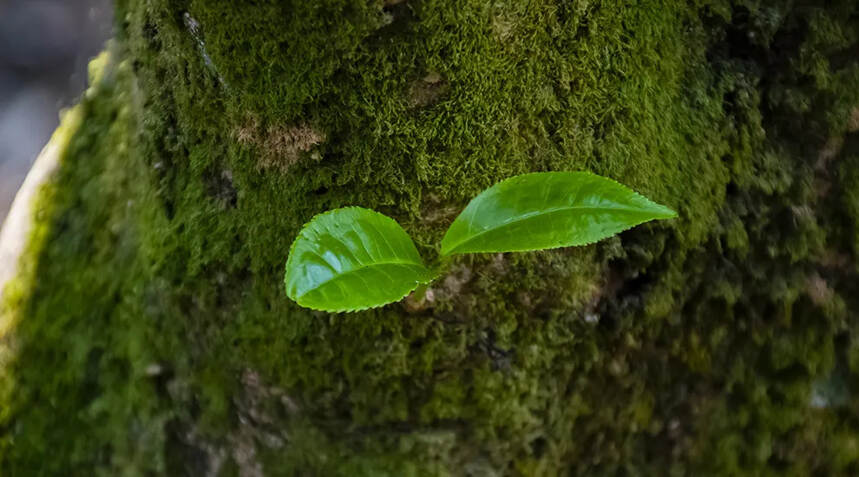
148,332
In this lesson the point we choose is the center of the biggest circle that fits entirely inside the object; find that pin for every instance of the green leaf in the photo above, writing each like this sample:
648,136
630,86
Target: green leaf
548,210
351,259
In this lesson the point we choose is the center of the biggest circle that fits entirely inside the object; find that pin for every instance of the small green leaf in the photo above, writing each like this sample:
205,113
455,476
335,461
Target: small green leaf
351,259
548,210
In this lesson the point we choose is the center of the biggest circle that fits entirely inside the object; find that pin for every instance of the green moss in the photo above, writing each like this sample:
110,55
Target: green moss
155,336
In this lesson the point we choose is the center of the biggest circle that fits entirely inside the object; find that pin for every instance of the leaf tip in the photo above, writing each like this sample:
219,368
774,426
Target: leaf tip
662,212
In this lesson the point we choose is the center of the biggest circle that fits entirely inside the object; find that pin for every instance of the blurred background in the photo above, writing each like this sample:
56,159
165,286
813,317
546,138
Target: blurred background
45,46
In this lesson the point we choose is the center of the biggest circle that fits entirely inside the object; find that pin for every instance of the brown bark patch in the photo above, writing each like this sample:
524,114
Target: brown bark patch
427,90
436,211
279,146
818,290
853,122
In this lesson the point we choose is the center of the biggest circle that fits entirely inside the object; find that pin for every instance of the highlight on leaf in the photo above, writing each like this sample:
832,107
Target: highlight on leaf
547,210
352,259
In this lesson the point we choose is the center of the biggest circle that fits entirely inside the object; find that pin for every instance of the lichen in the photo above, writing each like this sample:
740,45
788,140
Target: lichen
694,347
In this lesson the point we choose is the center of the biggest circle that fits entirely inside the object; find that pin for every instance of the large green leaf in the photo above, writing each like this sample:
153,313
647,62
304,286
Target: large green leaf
351,259
548,210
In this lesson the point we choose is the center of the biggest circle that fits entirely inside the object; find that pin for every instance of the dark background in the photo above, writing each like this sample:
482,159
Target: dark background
45,46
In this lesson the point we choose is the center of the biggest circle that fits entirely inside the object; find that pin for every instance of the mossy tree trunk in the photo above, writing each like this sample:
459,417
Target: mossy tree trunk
148,331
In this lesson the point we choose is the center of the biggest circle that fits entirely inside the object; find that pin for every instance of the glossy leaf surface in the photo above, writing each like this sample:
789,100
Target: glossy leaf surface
548,210
351,259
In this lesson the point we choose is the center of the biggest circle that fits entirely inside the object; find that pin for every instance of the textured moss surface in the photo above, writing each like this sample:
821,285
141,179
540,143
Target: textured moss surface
149,332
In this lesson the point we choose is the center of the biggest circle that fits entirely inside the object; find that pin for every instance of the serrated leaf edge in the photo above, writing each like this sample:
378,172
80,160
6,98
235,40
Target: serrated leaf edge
352,310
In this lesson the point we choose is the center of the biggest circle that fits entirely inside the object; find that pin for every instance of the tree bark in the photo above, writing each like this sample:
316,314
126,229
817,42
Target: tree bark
147,330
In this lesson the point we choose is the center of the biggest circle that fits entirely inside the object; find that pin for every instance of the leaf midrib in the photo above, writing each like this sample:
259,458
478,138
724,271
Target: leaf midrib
529,215
358,269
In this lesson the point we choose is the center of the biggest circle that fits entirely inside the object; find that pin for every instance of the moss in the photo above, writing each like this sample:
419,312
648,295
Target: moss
90,352
155,337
